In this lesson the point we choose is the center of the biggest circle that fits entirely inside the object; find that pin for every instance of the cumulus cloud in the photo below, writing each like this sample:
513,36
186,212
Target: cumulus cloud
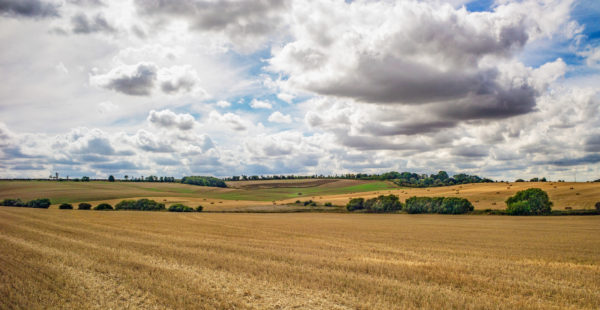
245,23
260,104
170,119
456,64
136,80
28,8
278,117
81,24
223,104
143,78
232,120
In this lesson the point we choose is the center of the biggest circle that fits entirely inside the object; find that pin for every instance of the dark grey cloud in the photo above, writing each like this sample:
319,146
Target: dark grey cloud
83,25
28,8
182,84
495,103
398,80
240,20
592,144
138,82
587,159
470,151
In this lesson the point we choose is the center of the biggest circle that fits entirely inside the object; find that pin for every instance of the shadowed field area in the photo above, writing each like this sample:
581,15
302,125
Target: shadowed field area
89,259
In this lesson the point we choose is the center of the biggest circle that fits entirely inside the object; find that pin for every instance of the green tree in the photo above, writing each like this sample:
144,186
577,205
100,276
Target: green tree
536,200
111,178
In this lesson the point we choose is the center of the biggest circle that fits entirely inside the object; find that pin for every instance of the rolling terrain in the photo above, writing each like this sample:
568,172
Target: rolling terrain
275,195
156,260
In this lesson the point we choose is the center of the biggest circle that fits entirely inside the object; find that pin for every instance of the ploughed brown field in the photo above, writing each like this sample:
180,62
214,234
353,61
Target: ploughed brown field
71,259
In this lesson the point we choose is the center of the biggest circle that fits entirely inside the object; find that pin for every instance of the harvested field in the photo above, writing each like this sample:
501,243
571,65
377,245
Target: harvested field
155,260
491,195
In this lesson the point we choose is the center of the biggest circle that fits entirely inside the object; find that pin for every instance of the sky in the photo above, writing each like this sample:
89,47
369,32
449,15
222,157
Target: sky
502,89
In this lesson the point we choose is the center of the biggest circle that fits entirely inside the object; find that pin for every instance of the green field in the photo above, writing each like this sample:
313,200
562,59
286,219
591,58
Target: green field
270,194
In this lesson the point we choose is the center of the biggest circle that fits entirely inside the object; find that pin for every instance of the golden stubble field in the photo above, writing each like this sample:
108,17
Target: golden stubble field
70,259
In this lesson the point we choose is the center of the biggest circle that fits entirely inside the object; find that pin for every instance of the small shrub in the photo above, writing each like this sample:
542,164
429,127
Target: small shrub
180,208
41,203
328,204
199,208
103,206
597,206
355,204
313,204
13,202
308,202
298,202
66,206
84,206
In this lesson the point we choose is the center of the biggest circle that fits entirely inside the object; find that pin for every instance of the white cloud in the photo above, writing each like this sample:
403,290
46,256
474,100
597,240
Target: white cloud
233,121
260,104
223,104
278,117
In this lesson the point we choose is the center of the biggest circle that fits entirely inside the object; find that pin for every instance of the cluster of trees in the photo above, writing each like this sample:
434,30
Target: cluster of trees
203,181
151,178
140,204
532,201
543,179
41,203
178,207
401,178
391,203
409,179
383,203
440,205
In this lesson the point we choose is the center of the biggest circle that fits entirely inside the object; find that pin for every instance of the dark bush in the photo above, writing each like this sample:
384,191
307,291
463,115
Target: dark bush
66,206
328,204
597,206
536,202
180,208
199,208
13,203
356,204
518,208
455,205
103,206
308,202
84,206
442,205
140,204
41,203
383,203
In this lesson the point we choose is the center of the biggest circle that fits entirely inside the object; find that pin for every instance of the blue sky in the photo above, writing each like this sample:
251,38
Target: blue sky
503,89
